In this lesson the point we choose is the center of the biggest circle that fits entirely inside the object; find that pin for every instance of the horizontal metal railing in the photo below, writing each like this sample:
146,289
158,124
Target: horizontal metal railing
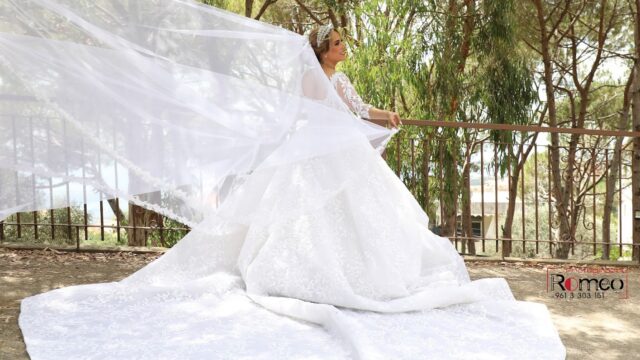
529,232
411,153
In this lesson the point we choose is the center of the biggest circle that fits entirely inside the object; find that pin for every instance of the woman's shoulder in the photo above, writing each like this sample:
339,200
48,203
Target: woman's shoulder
339,76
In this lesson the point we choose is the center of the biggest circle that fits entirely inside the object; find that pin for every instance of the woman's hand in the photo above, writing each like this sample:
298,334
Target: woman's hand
394,119
391,117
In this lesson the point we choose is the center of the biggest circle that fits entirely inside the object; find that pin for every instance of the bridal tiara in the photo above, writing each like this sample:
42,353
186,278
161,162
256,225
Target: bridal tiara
323,33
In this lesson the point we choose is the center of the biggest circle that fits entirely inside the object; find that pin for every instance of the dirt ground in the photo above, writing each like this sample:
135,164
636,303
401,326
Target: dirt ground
593,328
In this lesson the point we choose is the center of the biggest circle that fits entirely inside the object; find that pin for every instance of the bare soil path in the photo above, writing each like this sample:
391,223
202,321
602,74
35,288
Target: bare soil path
606,328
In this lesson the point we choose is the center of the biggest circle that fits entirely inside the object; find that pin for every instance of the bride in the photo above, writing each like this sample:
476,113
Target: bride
366,245
316,251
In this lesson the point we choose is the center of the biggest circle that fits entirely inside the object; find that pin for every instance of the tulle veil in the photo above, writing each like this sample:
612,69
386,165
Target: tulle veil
169,104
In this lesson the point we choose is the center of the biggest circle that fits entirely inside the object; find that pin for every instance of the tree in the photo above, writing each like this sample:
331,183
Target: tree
572,43
623,124
507,93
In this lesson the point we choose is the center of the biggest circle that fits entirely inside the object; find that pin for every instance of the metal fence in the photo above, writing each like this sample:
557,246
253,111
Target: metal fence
48,228
418,155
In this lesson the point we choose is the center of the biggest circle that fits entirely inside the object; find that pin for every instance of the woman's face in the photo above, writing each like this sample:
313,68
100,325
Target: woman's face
337,51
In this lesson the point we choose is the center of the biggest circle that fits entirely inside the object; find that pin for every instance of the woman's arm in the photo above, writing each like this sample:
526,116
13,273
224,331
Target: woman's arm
349,95
378,114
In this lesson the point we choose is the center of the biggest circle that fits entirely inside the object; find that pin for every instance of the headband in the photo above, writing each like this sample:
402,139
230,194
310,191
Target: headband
323,33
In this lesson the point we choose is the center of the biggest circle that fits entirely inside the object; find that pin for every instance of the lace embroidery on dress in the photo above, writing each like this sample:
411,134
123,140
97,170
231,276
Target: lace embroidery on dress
349,95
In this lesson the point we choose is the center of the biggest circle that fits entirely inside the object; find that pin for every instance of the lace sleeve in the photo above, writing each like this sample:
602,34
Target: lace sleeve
349,95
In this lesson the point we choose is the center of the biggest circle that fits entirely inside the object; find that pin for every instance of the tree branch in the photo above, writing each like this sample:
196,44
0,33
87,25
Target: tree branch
264,8
248,7
308,11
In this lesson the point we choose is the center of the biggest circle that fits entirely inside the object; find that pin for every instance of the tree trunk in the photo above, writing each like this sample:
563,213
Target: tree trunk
554,150
450,203
141,217
450,206
565,210
248,7
612,177
636,141
426,159
116,210
507,228
466,209
623,123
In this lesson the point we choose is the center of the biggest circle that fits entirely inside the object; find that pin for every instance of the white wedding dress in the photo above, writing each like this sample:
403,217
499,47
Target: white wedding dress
332,260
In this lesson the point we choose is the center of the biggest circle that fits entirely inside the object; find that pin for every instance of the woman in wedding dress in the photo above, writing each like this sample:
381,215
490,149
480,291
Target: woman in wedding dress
319,251
366,245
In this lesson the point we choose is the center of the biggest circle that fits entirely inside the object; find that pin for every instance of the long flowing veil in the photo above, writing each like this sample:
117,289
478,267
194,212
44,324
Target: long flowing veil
169,104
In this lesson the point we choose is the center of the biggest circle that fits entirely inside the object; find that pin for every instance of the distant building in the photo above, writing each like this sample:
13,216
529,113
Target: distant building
484,217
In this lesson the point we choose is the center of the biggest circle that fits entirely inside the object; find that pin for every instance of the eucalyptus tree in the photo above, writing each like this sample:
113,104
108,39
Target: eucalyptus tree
451,32
480,75
453,61
507,94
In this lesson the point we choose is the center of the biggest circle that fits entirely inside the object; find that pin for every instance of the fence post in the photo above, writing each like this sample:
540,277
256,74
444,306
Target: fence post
19,225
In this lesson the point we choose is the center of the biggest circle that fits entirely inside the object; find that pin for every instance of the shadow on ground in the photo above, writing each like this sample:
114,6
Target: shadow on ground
590,328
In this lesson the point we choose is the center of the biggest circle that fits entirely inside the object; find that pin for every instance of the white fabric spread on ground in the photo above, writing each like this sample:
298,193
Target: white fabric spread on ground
339,229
